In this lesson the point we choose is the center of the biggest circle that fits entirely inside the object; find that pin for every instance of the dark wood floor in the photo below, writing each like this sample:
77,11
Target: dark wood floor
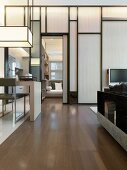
64,137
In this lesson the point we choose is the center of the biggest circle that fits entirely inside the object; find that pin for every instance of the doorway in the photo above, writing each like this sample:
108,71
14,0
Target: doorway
54,67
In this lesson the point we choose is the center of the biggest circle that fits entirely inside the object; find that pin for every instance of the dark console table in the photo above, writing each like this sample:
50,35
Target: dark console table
112,114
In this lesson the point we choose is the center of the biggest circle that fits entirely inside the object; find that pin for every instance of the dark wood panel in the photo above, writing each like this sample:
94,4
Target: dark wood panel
73,97
116,104
64,137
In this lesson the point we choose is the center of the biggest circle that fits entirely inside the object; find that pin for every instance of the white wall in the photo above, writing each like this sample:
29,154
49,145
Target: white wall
114,47
79,2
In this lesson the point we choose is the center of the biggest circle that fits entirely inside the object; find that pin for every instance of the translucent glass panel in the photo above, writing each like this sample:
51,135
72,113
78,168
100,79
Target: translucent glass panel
65,68
30,2
115,13
42,19
2,15
14,16
36,50
27,21
57,19
89,19
35,61
73,13
114,47
31,12
27,16
88,68
73,56
36,13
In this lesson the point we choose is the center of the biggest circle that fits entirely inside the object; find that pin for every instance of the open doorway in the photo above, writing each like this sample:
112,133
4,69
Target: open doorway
53,67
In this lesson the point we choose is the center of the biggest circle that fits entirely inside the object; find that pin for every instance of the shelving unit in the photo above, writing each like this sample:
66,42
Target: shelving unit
46,63
43,89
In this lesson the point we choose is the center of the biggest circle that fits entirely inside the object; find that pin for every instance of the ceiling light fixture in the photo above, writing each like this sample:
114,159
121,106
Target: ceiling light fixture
15,37
15,33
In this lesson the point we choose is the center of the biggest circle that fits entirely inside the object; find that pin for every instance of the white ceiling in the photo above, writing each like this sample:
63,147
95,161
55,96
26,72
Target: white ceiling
18,52
63,2
79,2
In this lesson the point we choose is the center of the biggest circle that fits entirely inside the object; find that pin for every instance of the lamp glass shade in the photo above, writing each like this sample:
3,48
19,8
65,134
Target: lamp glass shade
15,37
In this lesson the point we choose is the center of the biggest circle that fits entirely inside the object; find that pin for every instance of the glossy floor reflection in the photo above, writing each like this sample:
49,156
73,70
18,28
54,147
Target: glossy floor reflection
7,122
64,137
94,109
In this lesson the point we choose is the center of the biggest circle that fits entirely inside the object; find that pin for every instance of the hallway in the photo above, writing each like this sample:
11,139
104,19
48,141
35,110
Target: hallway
64,137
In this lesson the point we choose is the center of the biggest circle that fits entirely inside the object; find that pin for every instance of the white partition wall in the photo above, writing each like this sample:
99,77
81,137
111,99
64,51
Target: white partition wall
114,46
57,19
65,75
89,49
89,19
12,18
36,13
115,13
88,67
73,13
43,19
73,56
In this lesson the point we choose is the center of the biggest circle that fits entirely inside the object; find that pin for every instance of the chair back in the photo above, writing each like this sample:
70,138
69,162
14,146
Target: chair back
7,81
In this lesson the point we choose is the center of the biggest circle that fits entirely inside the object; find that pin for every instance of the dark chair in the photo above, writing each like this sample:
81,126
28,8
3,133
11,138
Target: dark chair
6,82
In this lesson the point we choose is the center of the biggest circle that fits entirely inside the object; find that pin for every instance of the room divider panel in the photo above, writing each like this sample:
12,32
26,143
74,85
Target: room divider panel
73,56
35,61
88,68
114,40
89,53
65,68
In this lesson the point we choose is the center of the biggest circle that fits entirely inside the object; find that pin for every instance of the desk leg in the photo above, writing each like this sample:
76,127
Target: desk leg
15,109
2,107
12,106
24,105
15,103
